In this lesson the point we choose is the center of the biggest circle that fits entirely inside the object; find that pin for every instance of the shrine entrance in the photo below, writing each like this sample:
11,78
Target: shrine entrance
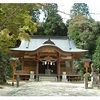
47,68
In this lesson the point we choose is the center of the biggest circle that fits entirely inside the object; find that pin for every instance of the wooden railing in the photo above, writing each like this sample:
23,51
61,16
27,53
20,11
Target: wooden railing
24,75
22,72
73,77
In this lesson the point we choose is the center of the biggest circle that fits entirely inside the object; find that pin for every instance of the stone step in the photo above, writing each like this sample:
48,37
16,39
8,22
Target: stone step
47,78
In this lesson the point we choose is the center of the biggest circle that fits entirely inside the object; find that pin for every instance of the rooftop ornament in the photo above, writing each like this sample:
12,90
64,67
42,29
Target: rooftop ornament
49,42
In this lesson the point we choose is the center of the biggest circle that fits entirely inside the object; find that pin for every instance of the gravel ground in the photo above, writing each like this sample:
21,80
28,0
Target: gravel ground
46,88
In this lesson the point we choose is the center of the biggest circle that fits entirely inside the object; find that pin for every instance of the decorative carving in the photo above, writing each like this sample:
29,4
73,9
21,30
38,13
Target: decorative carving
48,59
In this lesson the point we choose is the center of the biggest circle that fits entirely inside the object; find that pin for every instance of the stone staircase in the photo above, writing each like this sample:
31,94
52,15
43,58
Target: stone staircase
48,78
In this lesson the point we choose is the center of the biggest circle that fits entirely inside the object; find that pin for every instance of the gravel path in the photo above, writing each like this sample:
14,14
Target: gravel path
49,89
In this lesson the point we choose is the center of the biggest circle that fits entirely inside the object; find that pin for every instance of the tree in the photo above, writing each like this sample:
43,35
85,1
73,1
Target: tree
96,56
81,31
15,23
53,24
80,9
40,29
35,13
4,62
50,9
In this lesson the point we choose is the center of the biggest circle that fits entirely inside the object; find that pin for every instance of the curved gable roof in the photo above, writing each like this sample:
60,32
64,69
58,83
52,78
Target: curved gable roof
61,42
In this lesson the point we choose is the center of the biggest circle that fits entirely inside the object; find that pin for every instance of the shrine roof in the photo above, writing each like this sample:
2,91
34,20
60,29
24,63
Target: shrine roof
61,42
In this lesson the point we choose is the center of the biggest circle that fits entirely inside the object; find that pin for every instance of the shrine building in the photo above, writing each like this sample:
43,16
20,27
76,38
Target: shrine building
46,56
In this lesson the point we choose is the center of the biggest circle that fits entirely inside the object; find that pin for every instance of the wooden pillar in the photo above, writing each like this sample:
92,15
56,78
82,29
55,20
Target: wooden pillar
22,63
37,70
58,69
13,77
72,66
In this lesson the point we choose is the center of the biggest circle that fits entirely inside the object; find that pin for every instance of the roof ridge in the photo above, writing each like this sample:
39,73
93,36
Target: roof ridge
51,37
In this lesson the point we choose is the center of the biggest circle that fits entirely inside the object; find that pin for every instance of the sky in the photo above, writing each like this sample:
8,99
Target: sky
94,7
65,6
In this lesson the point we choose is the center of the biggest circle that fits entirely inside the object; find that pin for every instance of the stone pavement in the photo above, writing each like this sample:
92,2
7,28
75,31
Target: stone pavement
47,88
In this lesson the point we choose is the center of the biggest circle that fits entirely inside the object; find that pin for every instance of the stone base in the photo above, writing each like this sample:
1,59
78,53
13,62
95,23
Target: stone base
31,80
90,85
37,79
64,80
58,79
98,87
95,87
48,78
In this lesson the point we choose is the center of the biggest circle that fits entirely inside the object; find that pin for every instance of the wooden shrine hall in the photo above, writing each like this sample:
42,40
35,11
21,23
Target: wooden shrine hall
47,56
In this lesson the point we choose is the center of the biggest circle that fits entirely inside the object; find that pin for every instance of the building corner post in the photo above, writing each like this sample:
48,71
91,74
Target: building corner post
37,70
58,70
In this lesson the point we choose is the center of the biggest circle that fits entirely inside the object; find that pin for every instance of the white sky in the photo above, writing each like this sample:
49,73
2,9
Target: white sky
66,5
94,7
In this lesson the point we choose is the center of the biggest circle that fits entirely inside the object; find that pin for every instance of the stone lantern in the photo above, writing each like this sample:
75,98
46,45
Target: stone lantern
13,62
86,66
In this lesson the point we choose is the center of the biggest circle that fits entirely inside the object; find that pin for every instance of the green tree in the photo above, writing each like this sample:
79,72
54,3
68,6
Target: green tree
96,28
96,56
55,26
81,31
50,9
53,23
35,13
4,63
40,29
15,23
80,9
17,19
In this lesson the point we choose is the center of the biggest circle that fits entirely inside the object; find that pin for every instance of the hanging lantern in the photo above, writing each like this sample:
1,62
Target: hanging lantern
45,62
50,62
